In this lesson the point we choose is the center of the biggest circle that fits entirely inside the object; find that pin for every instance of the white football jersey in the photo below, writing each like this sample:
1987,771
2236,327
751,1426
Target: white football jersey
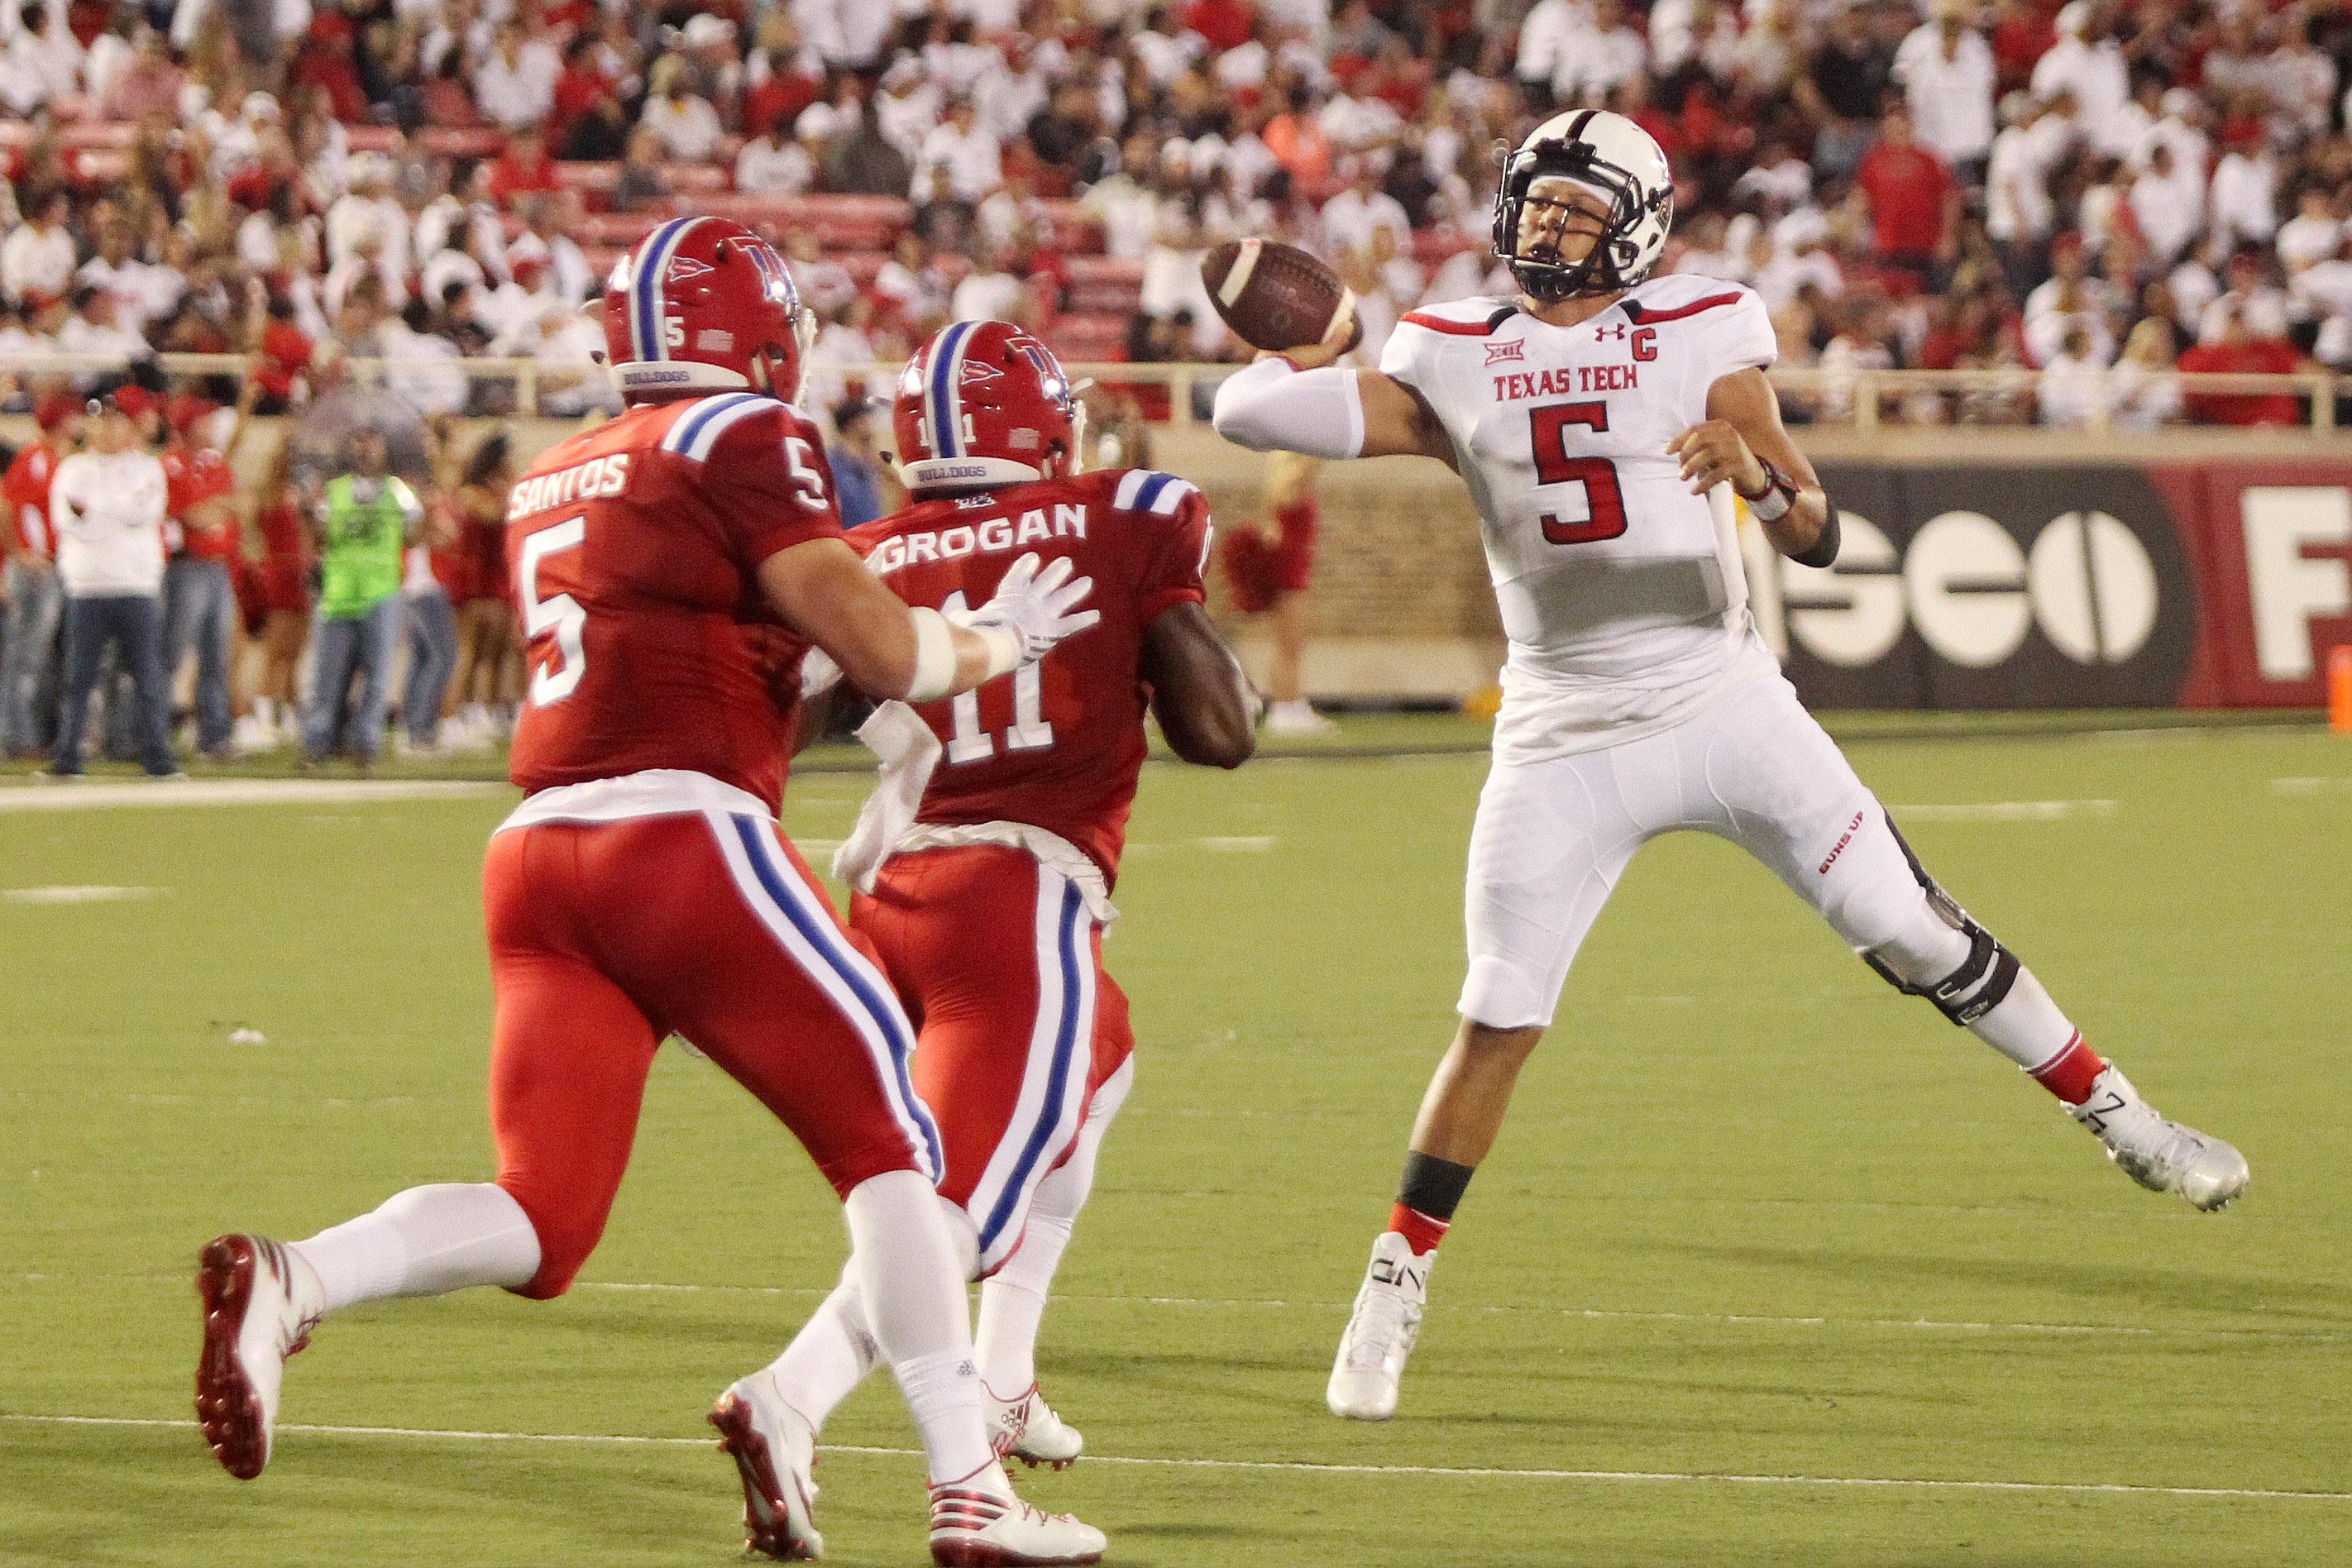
1622,592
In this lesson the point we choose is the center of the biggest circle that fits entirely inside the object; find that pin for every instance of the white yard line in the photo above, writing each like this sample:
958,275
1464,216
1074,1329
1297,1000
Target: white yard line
240,792
1295,1466
2004,811
77,895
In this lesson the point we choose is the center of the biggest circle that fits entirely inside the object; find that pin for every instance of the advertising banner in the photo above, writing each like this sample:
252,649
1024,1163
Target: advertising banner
2277,545
2068,585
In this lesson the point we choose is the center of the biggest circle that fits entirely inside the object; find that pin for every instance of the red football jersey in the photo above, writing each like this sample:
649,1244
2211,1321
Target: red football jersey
191,478
634,550
1059,743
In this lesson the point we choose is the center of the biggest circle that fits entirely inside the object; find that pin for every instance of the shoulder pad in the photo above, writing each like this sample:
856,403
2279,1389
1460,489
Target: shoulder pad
1679,296
1476,317
1142,490
700,423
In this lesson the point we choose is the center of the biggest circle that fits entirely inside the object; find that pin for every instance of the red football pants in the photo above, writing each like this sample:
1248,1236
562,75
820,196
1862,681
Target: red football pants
1000,963
607,937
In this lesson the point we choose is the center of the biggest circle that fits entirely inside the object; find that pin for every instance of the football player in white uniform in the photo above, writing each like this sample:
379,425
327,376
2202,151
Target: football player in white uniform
1597,418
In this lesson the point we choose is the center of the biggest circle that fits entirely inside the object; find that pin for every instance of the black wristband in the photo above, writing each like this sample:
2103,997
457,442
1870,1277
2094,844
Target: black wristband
1824,550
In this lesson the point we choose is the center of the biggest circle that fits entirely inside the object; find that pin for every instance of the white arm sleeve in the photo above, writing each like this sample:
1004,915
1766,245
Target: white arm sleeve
1269,406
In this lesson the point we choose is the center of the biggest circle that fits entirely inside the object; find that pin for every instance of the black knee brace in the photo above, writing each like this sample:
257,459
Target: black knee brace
1983,978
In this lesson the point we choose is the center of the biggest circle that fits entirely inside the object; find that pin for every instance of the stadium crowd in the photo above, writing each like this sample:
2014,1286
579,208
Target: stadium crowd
2100,190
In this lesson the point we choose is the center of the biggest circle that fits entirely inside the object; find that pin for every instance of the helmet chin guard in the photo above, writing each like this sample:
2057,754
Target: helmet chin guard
967,473
1615,159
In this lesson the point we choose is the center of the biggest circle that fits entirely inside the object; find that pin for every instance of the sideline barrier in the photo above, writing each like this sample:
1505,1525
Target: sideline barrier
1861,394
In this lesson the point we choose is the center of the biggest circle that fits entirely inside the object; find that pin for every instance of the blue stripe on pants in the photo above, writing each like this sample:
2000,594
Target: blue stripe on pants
1057,1082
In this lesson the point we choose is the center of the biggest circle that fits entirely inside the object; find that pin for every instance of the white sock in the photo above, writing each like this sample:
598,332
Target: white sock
943,1393
918,1314
1006,1341
2026,1026
424,1242
831,1356
1013,1300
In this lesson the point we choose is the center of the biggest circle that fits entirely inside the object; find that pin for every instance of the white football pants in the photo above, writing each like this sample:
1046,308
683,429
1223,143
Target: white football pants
1552,839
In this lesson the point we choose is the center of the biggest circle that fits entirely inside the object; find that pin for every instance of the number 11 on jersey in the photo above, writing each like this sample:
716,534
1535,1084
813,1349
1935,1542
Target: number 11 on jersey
1029,731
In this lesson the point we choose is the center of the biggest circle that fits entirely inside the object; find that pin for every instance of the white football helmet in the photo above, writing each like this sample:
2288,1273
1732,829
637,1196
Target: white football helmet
1616,159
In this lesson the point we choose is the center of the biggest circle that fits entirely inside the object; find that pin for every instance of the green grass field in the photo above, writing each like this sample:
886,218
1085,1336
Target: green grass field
1771,1266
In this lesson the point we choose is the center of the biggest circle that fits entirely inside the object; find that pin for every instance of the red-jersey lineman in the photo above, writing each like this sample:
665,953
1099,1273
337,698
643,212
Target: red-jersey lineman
985,860
671,568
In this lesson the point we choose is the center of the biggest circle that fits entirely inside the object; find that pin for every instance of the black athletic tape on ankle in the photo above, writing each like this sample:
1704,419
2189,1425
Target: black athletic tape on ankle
1432,1186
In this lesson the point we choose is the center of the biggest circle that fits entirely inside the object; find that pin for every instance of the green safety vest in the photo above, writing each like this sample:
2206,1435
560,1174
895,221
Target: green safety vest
366,530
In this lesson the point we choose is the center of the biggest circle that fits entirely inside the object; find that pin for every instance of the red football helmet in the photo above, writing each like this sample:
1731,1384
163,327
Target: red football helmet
983,403
703,304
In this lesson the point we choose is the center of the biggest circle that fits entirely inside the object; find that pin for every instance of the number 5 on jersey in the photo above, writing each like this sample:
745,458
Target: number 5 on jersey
1604,503
560,613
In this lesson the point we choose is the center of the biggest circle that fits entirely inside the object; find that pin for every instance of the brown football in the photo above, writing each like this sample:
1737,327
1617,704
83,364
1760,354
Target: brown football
1274,295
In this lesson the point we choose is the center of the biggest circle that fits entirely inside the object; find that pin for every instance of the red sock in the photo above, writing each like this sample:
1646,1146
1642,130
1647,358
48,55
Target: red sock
1420,1231
2070,1074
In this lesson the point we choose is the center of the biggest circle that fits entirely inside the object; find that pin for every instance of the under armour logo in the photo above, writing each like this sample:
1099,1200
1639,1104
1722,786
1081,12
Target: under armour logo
1603,334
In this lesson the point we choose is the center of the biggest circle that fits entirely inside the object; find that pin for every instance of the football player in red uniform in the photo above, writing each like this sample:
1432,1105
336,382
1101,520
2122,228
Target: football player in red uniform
983,864
671,567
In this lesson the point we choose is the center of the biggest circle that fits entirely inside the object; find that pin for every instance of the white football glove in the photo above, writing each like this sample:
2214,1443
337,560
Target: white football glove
1032,610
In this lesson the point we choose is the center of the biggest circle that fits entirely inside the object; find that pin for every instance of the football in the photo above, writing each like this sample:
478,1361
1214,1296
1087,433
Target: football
1274,295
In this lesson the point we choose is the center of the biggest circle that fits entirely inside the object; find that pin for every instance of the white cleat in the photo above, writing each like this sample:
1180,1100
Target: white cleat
259,1307
986,1530
1380,1331
2160,1155
775,1450
1026,1428
252,738
1298,718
